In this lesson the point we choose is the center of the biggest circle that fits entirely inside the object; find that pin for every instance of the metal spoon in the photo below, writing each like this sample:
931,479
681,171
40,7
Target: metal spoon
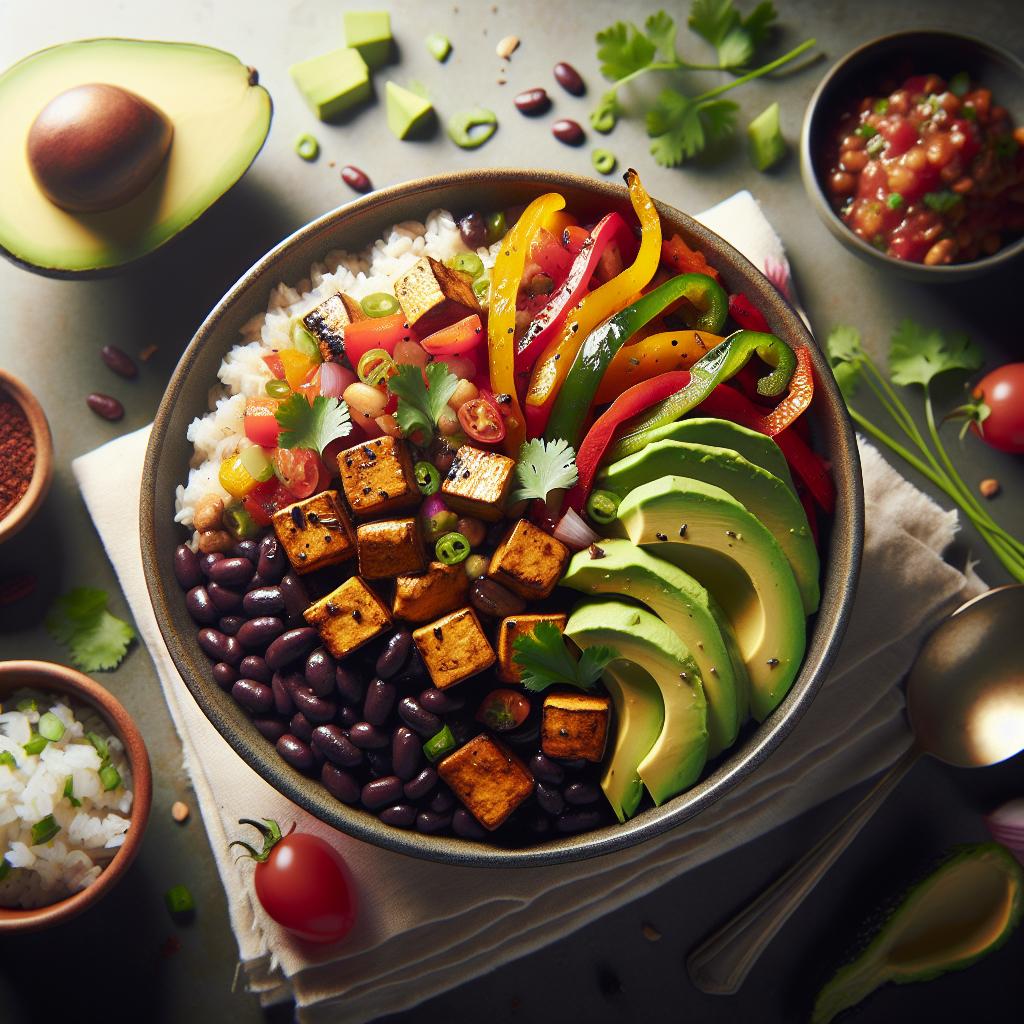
965,702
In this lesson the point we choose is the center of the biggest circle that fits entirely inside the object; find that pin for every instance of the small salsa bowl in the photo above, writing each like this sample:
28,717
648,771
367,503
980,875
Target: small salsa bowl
20,514
856,75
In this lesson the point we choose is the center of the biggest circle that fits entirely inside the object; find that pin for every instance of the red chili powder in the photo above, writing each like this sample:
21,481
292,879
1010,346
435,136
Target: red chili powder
17,454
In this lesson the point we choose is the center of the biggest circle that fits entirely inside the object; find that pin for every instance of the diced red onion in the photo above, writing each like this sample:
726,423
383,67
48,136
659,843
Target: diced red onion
1006,824
432,506
574,533
334,378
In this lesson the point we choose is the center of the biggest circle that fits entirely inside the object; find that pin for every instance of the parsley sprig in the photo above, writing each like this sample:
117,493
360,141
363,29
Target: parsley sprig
916,357
312,426
682,125
544,660
543,467
97,639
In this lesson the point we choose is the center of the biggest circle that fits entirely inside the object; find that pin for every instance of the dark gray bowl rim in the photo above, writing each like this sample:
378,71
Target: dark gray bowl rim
842,566
812,179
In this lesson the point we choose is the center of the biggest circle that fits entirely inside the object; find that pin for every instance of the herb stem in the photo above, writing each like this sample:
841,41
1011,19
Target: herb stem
757,72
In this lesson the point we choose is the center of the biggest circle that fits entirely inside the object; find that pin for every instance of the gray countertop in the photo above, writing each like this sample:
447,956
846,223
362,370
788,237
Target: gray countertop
134,961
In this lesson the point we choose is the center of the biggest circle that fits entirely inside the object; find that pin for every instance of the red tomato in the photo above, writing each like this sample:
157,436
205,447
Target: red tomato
551,256
574,237
481,419
1002,391
900,133
275,365
265,499
261,427
455,339
298,469
375,332
503,710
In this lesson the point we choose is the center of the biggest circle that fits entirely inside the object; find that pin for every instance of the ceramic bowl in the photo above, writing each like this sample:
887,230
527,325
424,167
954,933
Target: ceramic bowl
20,514
352,227
66,682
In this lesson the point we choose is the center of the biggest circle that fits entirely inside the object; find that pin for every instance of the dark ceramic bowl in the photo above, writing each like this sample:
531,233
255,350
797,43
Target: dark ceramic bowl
352,227
859,73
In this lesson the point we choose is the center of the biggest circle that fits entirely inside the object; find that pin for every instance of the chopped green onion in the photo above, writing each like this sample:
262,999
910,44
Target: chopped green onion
960,83
304,342
307,147
179,900
452,548
470,129
466,263
441,523
602,506
99,744
941,201
375,366
439,744
496,226
428,477
44,830
865,131
894,200
875,145
278,388
5,868
438,46
69,792
604,161
881,106
51,727
36,744
765,142
256,463
379,304
7,758
482,290
110,777
239,523
27,705
603,118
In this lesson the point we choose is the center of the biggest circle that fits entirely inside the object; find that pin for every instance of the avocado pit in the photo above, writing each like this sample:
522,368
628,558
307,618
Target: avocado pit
96,146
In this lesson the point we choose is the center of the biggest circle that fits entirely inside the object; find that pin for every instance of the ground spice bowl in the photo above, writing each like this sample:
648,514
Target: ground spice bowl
62,681
42,474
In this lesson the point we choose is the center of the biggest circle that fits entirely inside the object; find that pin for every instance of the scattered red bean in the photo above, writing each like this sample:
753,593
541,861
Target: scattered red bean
568,131
16,588
106,406
569,79
119,361
532,102
355,178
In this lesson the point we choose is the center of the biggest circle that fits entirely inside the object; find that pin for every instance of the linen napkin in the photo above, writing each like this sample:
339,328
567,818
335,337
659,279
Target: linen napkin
424,927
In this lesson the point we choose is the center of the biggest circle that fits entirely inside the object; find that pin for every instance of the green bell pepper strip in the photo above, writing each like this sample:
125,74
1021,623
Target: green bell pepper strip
713,368
576,395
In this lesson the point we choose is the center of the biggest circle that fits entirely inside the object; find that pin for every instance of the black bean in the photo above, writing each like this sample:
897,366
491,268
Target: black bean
430,822
439,701
579,820
355,178
415,670
442,800
381,792
119,361
220,646
527,733
368,737
568,131
490,598
257,582
253,696
574,764
231,572
379,763
296,599
225,600
348,716
335,745
340,784
200,607
532,102
581,793
320,672
291,645
569,79
105,406
272,563
318,758
248,549
539,824
259,632
283,703
348,685
207,561
230,624
316,709
420,785
463,726
406,753
395,654
546,770
272,728
263,601
398,815
186,567
295,752
299,725
379,701
224,675
465,825
426,723
549,799
473,229
252,666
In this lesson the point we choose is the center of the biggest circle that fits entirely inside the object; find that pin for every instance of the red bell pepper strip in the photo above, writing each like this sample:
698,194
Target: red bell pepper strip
746,314
631,402
684,260
801,392
455,339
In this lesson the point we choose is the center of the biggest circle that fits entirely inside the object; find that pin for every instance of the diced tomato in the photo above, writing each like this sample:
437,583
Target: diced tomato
900,133
482,420
261,426
456,339
275,365
684,260
299,469
375,332
265,499
502,710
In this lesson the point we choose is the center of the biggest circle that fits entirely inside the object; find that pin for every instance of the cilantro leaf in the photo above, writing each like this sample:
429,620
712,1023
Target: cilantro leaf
544,660
734,38
544,466
312,426
735,49
622,49
660,29
713,20
916,354
760,22
421,405
97,639
681,128
844,345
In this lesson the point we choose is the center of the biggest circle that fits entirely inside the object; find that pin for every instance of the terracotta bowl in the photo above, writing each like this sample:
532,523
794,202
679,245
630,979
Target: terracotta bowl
38,487
56,679
352,227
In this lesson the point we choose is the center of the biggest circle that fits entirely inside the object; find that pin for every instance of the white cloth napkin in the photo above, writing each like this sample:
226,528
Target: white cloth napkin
424,927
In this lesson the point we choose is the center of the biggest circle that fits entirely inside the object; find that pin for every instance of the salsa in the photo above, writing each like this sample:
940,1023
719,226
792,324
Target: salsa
932,173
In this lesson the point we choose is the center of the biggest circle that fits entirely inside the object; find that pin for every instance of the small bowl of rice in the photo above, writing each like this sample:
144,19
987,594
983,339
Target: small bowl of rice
75,790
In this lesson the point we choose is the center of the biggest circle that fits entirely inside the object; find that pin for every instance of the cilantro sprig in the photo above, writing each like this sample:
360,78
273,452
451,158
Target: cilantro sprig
543,467
681,124
312,426
97,639
917,356
544,660
420,405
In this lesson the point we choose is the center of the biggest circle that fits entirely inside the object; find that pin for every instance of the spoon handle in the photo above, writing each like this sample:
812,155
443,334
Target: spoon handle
721,962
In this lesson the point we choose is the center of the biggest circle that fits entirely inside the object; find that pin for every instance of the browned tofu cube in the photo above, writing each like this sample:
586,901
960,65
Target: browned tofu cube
454,648
328,321
478,483
442,588
489,780
348,617
512,627
575,725
390,547
377,477
315,532
528,561
433,296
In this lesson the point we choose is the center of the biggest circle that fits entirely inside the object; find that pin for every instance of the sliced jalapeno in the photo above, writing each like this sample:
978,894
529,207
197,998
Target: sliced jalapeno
379,304
452,548
428,477
469,129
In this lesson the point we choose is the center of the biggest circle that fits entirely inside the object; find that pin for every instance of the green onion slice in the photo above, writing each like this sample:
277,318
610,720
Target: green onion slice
278,388
27,705
428,477
36,744
439,744
466,263
375,366
44,830
380,304
881,106
110,777
99,744
69,792
894,200
5,868
496,226
482,289
604,161
239,523
7,758
307,147
602,506
452,548
179,900
960,83
304,342
51,727
470,129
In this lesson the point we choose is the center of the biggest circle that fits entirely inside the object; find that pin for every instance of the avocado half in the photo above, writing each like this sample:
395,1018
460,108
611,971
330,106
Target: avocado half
220,116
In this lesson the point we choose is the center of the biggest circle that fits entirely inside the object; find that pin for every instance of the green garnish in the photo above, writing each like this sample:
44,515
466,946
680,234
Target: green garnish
69,792
312,426
496,226
865,131
438,46
602,506
960,83
51,727
239,523
941,202
604,161
427,477
36,744
99,744
466,263
875,145
452,548
179,900
470,129
421,405
543,467
7,758
375,366
304,342
379,304
27,705
307,147
764,135
44,830
255,462
110,777
5,868
544,660
439,744
894,200
482,290
97,639
881,106
278,388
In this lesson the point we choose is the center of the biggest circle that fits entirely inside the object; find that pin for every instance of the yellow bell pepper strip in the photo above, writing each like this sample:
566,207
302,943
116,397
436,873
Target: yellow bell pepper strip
657,353
551,369
501,317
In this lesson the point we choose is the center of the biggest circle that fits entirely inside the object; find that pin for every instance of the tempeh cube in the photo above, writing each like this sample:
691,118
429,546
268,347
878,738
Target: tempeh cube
377,477
478,482
390,547
489,779
528,561
575,725
327,323
315,532
515,626
442,588
348,617
433,296
454,648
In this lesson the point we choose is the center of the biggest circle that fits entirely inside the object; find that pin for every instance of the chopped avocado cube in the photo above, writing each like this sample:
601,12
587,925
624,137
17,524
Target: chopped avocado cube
767,146
332,82
369,32
439,46
407,112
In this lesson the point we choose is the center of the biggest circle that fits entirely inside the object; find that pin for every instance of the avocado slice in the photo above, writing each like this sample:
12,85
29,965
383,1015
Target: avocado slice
220,117
369,32
962,911
677,758
706,531
763,495
688,610
332,82
639,717
408,112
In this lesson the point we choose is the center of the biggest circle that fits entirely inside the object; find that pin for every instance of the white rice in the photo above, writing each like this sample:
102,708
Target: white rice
89,835
220,433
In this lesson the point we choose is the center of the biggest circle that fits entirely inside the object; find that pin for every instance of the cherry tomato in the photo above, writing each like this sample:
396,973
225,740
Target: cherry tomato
303,883
261,427
298,469
503,710
375,332
481,419
1002,391
455,339
265,499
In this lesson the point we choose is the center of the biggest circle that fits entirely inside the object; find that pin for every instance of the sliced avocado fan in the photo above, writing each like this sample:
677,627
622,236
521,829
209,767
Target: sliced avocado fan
961,912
